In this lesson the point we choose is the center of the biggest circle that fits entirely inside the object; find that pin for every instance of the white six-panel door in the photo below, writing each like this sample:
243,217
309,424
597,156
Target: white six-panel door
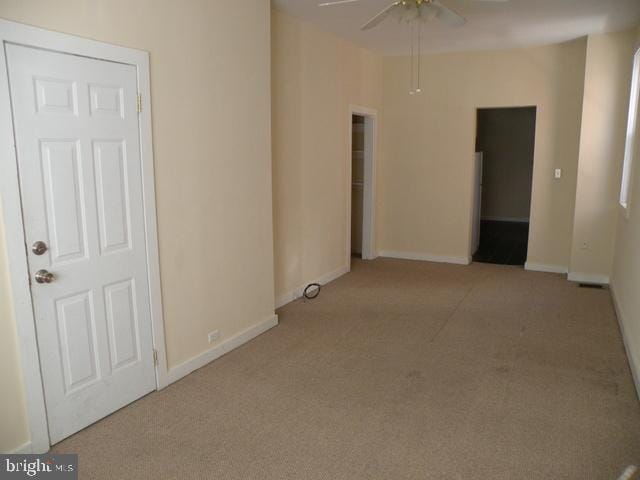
78,150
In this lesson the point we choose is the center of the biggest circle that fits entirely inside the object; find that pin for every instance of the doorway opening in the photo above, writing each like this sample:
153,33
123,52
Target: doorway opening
357,184
360,226
505,143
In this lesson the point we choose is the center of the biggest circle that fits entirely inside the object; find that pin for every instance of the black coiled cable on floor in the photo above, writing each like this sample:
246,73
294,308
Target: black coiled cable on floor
311,291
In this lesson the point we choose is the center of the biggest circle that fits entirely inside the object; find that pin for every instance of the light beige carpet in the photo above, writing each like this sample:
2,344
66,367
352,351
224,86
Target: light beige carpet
399,370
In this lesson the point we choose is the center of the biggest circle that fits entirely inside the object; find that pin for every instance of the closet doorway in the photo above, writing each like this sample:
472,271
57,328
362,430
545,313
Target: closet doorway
362,133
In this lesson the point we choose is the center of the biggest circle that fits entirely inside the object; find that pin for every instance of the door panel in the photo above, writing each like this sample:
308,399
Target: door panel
113,195
77,139
77,340
62,176
123,323
106,100
56,96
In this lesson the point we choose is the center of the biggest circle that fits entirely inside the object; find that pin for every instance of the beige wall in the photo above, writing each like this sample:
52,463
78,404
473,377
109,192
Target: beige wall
506,137
625,279
604,120
316,76
210,82
429,141
13,416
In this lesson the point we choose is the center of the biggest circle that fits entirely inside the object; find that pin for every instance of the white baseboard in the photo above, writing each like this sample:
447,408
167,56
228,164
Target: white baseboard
176,373
426,257
594,278
22,449
634,365
297,292
541,267
506,219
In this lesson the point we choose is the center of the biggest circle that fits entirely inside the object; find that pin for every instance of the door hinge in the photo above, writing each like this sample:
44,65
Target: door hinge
139,103
155,357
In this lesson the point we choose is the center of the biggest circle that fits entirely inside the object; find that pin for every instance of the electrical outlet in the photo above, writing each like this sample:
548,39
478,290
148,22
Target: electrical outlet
213,336
558,173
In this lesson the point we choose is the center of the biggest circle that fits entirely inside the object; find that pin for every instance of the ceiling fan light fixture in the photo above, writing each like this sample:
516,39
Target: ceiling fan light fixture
414,13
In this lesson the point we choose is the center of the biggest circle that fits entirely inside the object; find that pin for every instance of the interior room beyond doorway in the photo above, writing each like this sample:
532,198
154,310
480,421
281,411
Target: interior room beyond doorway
505,145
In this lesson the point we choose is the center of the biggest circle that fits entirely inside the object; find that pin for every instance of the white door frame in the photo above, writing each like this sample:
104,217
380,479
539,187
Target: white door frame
368,211
478,158
12,32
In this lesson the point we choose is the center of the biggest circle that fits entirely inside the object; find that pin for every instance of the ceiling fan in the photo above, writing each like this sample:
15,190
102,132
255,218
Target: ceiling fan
415,13
412,11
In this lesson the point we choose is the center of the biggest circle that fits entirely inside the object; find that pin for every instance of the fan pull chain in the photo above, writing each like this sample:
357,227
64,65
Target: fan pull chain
415,33
411,76
419,89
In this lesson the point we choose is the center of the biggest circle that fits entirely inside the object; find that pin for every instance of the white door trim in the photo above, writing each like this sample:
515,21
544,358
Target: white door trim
368,210
12,32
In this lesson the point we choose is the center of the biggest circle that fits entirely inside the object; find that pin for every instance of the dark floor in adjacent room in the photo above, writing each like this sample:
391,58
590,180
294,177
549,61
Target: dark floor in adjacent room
398,370
503,243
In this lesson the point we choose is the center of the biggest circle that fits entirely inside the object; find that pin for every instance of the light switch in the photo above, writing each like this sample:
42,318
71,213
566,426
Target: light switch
558,173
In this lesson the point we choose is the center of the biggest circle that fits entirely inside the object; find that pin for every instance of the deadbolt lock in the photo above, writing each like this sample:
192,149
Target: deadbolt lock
39,248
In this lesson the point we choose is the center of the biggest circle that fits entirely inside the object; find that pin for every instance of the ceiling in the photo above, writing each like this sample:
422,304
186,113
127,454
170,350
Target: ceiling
490,25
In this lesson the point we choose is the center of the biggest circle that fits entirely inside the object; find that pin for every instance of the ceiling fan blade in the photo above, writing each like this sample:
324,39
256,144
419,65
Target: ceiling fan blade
381,16
336,2
446,15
